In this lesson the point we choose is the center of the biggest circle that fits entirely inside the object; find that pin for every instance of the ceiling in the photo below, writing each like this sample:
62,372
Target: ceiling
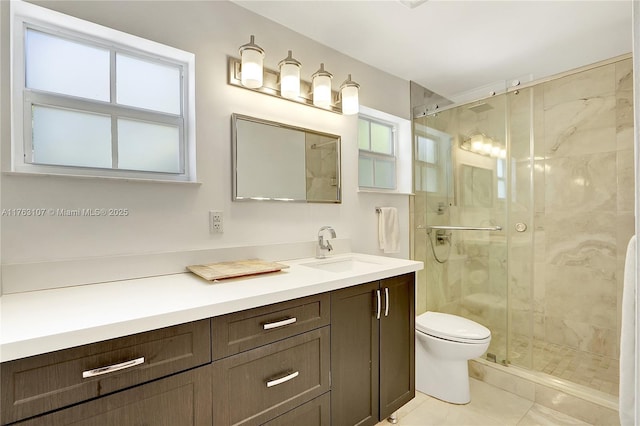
455,48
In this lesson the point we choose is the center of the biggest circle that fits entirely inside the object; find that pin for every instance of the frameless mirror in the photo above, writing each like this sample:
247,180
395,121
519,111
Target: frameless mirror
276,162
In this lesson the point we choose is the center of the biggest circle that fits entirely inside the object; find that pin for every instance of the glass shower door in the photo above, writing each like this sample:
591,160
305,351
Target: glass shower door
462,179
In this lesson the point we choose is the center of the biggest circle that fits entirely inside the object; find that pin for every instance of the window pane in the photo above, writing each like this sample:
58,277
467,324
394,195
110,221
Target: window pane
147,84
385,174
426,150
431,180
430,151
502,189
365,172
71,138
363,134
500,168
62,66
381,138
148,146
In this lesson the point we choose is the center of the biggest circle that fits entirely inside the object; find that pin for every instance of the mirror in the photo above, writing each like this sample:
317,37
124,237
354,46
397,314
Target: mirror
277,162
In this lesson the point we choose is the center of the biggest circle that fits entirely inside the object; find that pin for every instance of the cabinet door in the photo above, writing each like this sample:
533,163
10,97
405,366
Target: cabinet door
397,343
180,400
354,356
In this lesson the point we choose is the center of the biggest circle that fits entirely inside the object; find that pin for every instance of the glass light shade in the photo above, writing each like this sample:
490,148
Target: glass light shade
477,143
487,147
290,78
290,81
349,95
251,72
503,153
495,151
322,88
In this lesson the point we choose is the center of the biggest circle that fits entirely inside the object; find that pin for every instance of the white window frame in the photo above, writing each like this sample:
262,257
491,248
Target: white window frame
25,15
374,155
403,151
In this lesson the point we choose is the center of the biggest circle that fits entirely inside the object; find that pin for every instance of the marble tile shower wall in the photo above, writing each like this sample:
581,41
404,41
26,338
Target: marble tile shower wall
584,202
321,174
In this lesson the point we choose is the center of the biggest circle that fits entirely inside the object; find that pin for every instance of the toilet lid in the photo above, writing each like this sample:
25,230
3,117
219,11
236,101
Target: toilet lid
452,327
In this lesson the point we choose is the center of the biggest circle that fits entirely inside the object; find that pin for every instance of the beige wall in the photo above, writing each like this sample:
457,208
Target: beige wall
173,217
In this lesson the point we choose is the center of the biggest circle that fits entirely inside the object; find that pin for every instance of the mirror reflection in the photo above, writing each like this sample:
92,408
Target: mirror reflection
276,162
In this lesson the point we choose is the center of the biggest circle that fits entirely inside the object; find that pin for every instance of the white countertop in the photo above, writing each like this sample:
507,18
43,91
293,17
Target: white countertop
37,322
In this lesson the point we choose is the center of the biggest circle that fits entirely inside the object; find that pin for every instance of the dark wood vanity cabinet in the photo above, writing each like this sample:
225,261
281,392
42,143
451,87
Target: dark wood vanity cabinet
341,358
372,350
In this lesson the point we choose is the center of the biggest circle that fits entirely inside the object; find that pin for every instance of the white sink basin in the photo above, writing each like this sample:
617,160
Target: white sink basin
343,264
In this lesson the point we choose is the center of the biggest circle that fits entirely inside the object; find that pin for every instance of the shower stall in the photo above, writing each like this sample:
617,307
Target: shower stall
523,207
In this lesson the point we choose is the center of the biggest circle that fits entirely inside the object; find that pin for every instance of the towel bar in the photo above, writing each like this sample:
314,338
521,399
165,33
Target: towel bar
463,228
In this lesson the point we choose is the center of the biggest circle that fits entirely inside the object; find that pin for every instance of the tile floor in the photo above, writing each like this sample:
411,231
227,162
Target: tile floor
489,406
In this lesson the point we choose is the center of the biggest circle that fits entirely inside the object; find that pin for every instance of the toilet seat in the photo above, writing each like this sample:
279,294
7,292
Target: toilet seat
452,327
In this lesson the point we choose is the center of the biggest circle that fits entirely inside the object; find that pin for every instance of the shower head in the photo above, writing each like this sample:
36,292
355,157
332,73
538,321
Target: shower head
480,107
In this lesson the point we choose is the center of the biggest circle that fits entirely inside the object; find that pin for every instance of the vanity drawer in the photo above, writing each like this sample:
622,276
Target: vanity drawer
179,400
316,412
244,330
43,383
256,386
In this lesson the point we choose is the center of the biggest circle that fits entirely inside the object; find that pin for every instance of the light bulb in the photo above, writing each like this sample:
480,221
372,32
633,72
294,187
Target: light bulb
477,142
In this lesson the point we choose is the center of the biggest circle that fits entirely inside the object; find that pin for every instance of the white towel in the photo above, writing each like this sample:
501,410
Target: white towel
627,339
388,230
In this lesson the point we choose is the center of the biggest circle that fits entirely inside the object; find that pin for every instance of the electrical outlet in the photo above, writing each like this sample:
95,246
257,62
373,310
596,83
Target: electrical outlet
215,222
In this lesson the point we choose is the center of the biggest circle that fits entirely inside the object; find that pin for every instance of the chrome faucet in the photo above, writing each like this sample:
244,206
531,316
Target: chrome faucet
324,246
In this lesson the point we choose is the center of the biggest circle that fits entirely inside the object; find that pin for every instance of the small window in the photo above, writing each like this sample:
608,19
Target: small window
427,165
501,178
95,101
377,159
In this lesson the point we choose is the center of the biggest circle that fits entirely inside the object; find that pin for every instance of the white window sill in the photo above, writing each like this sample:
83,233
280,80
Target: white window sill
383,191
108,178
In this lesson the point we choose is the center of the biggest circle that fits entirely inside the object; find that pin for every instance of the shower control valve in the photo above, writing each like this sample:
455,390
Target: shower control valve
521,227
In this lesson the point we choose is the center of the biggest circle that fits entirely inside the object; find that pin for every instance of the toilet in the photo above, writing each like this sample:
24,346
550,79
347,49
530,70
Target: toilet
444,344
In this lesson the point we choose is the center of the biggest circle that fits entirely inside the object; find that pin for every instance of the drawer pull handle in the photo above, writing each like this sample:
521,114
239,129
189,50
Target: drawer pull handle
287,321
281,380
378,304
112,368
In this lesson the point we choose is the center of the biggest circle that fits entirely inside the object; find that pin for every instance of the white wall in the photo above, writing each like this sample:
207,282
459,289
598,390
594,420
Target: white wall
174,217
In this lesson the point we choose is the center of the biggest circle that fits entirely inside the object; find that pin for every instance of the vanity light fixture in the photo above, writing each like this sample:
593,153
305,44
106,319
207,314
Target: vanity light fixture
482,144
321,81
252,57
290,77
285,83
349,96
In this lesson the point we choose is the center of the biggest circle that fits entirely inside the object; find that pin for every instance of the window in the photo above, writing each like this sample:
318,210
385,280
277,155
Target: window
427,165
432,160
90,100
377,160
